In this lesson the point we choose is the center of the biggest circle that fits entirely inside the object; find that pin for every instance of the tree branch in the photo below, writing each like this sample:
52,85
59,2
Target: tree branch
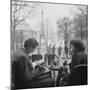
18,21
82,12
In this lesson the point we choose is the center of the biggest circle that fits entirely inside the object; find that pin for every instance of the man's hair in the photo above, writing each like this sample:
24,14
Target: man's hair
30,43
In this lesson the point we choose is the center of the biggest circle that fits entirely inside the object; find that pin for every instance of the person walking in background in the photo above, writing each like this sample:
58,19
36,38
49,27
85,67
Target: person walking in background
66,50
49,49
59,50
53,49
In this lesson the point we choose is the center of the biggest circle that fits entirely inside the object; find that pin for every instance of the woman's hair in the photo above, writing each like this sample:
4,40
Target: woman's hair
78,45
30,43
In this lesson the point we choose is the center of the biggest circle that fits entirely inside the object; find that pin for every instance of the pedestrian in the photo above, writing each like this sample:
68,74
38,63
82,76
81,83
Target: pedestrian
59,51
53,49
66,50
50,49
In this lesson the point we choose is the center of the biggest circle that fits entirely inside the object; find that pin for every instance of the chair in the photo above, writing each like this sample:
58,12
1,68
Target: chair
79,75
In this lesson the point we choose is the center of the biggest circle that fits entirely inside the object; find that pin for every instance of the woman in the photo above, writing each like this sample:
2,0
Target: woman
78,55
78,65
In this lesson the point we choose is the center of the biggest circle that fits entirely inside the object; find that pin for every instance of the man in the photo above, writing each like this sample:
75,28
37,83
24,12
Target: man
23,73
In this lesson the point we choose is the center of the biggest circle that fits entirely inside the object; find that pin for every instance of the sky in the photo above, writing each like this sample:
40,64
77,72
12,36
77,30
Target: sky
52,12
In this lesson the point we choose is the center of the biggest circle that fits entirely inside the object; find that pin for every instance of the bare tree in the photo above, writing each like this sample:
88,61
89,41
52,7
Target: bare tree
64,26
18,7
81,22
